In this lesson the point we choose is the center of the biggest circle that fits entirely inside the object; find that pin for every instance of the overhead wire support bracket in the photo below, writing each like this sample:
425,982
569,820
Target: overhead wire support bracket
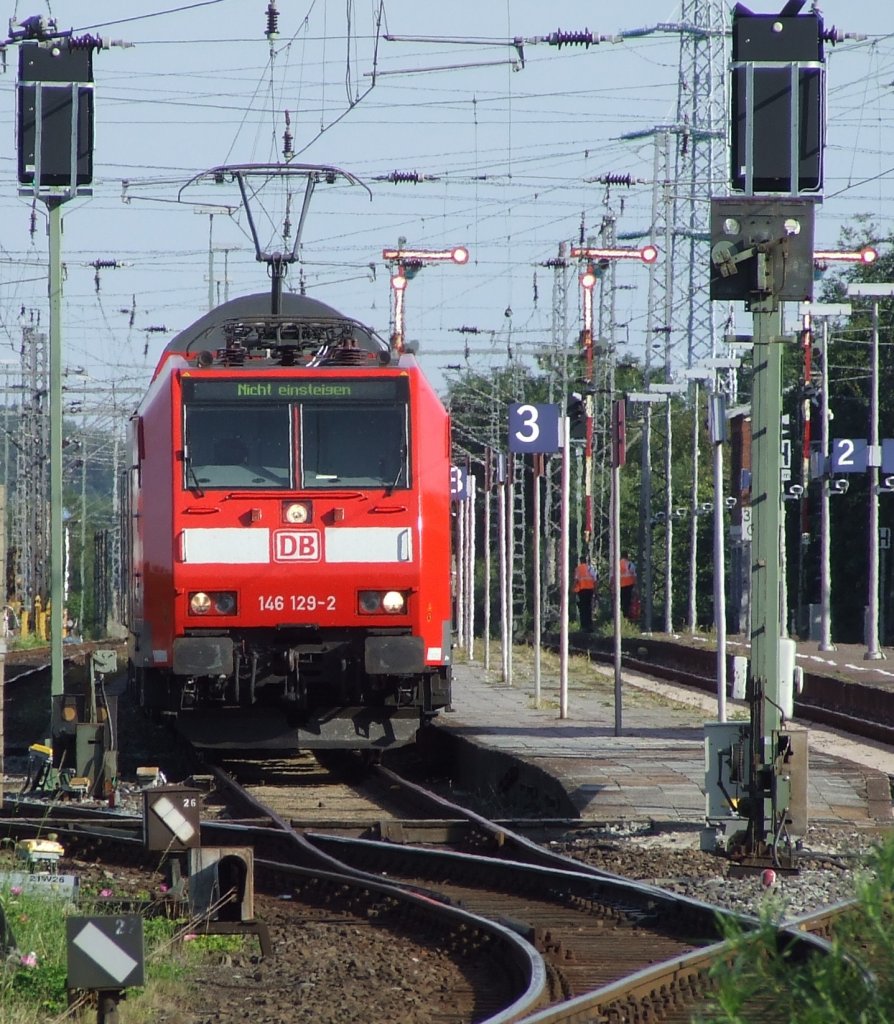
559,38
241,173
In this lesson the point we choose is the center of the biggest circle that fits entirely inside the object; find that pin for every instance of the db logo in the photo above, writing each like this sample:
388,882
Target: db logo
297,546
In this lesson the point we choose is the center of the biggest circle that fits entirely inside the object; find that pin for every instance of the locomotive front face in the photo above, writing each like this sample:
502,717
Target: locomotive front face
305,504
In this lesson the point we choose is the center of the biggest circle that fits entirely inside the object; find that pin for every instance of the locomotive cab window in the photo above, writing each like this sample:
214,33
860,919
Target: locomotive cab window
244,434
237,446
363,445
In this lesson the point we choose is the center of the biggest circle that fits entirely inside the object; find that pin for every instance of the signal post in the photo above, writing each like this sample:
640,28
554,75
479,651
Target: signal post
762,253
647,254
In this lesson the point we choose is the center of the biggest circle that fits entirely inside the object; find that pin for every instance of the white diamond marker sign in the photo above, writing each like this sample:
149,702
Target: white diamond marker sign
113,960
176,821
105,952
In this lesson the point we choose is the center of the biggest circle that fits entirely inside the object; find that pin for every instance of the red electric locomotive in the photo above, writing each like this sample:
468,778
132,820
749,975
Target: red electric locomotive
288,533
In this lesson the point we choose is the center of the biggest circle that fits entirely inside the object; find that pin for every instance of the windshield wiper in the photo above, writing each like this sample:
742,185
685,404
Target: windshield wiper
400,470
190,472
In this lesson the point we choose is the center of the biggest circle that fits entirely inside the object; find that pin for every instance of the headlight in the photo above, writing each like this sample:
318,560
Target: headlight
369,602
217,602
393,602
296,512
200,604
381,602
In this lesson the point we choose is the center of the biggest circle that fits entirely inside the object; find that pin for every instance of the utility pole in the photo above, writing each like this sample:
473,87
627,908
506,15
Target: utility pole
55,162
875,291
824,311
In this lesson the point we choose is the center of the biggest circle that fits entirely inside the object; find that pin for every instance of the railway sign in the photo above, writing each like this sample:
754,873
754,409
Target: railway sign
459,483
533,428
887,456
172,818
850,455
105,952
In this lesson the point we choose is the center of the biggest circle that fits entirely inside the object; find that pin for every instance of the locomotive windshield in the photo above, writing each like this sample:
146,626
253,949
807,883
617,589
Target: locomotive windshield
346,433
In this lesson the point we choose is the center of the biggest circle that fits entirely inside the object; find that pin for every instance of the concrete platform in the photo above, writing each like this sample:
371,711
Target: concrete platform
653,771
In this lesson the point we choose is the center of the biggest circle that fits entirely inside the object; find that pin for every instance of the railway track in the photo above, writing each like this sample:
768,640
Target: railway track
350,847
646,951
524,933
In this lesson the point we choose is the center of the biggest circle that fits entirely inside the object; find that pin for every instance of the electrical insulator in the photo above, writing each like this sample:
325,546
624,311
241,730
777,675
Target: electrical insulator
287,150
404,177
616,179
272,21
561,38
85,43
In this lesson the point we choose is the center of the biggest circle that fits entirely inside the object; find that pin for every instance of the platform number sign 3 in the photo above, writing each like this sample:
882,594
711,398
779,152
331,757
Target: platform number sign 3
533,428
850,455
459,483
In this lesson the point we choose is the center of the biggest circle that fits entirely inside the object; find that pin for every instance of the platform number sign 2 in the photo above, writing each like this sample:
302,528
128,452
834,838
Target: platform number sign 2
850,455
533,428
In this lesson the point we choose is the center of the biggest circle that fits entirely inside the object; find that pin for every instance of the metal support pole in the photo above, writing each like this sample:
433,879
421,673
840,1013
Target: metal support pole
766,502
538,627
563,568
470,571
873,652
488,491
668,521
210,261
509,555
459,559
646,574
615,546
825,643
505,636
692,617
54,209
719,578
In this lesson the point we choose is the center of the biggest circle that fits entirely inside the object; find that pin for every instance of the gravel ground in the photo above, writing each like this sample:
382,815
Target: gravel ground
325,969
828,864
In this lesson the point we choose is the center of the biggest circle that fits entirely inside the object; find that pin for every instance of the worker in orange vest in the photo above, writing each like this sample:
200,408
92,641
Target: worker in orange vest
585,588
627,580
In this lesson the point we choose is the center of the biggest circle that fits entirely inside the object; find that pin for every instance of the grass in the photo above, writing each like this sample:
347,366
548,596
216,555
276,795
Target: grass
30,641
853,985
33,979
585,674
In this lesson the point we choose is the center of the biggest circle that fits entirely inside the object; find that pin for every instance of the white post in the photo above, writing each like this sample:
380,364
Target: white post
538,628
510,562
459,560
874,290
825,643
693,511
504,615
615,547
718,432
488,490
826,310
563,569
470,570
873,652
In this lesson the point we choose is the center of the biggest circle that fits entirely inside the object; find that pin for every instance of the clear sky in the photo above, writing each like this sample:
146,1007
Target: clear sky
505,149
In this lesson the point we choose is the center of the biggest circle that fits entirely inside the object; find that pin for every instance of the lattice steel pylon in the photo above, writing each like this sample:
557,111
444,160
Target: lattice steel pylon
31,538
558,390
701,162
689,168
